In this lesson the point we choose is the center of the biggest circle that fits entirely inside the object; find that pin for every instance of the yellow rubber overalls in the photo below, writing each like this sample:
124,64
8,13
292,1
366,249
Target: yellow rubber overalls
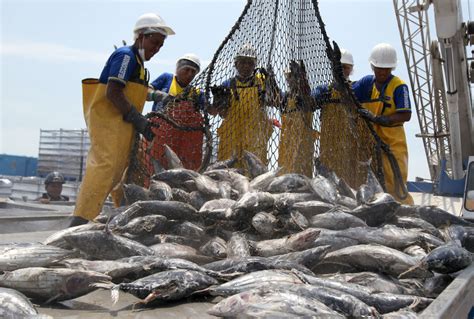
111,141
246,125
394,136
295,154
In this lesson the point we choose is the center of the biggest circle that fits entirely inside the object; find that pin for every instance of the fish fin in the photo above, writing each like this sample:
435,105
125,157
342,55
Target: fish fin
53,298
415,303
115,294
409,270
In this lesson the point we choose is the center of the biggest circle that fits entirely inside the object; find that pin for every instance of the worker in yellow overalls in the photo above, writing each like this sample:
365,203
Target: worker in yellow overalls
112,111
386,103
245,125
296,148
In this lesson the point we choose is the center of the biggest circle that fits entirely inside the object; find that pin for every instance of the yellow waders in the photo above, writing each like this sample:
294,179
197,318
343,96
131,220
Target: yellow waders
296,149
111,142
394,136
246,125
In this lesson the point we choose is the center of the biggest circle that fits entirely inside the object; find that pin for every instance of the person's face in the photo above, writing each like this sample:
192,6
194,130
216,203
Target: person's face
245,66
54,189
382,74
152,43
185,75
347,70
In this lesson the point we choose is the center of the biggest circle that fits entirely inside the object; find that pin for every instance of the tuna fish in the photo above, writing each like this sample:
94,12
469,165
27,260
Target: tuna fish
290,183
264,303
106,246
264,223
160,191
134,193
169,209
175,178
376,258
324,189
163,286
255,166
15,305
215,247
238,246
294,242
261,182
336,220
433,215
36,255
378,211
445,259
254,263
57,239
52,284
256,279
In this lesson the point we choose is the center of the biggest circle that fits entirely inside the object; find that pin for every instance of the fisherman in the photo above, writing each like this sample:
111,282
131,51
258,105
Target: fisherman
53,184
112,111
386,103
184,108
168,85
296,150
240,102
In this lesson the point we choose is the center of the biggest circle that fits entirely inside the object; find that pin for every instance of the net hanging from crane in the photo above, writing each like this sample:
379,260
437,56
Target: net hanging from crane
292,107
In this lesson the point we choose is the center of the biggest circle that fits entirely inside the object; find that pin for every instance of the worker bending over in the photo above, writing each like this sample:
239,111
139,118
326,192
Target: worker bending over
386,103
112,111
173,95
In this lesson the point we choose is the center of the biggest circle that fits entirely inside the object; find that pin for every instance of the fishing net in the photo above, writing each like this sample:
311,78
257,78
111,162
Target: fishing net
293,107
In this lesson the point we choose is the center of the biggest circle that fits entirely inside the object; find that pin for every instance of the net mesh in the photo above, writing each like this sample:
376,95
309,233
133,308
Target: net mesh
293,106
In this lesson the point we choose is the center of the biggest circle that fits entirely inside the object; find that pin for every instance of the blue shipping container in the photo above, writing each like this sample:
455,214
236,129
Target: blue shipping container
18,165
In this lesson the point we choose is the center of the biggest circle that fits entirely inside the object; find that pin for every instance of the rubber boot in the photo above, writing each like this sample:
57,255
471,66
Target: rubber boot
76,221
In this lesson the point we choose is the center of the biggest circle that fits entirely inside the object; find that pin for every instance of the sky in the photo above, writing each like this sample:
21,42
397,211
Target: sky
48,47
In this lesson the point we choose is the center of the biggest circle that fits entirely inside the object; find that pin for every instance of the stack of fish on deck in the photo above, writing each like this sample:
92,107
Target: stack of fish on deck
266,245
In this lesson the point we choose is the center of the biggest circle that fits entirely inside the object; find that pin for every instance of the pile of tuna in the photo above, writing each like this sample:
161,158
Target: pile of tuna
268,246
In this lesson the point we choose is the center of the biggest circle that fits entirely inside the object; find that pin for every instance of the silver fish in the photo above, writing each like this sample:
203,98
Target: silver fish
52,284
290,183
376,258
238,246
134,193
106,246
215,247
38,255
255,166
160,191
294,242
15,305
163,286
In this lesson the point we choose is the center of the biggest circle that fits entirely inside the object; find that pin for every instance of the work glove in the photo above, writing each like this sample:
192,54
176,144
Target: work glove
141,124
381,120
157,96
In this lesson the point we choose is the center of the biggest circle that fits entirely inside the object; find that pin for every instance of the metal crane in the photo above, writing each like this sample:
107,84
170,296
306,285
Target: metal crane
440,77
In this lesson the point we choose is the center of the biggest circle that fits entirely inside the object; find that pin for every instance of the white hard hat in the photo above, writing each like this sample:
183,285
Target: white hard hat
151,23
383,56
190,57
247,51
346,57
